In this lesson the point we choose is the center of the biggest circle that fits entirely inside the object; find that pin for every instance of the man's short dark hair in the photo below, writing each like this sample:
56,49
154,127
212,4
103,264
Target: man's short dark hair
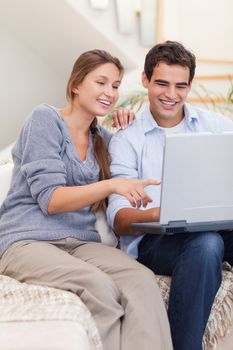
170,52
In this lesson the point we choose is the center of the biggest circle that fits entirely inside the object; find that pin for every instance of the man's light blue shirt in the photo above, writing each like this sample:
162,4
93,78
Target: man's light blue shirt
137,153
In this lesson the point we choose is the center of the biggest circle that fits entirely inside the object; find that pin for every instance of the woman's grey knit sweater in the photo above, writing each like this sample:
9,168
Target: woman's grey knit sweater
45,158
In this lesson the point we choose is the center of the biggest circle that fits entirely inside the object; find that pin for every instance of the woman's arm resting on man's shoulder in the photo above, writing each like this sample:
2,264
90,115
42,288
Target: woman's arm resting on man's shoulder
122,117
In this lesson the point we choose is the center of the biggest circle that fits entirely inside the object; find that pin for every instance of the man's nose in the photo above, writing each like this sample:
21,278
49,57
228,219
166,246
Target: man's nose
171,92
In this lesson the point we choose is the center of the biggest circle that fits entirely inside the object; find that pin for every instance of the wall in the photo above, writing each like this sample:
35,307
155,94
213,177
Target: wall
26,80
205,26
106,22
40,40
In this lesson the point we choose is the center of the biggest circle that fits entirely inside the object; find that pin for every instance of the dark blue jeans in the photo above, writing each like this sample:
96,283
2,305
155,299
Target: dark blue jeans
194,260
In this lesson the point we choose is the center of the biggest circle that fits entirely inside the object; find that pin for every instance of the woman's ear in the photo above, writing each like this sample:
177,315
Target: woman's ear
75,90
145,81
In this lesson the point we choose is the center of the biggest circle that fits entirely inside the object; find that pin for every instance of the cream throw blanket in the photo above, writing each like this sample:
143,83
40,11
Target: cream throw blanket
26,302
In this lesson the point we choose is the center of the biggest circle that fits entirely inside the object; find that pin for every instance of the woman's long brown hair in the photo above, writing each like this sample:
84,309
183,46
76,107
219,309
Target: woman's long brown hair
86,63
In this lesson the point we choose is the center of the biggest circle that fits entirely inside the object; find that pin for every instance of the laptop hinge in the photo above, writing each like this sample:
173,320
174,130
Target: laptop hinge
177,223
177,226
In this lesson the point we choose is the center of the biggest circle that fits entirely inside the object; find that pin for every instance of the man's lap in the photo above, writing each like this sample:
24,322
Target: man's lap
161,252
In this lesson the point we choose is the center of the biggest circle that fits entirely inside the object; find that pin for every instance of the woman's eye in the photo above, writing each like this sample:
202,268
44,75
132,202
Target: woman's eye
115,86
100,82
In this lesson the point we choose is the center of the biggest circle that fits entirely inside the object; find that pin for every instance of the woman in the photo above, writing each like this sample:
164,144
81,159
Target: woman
47,228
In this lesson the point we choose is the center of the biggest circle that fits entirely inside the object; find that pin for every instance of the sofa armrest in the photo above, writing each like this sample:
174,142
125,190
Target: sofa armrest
22,302
6,168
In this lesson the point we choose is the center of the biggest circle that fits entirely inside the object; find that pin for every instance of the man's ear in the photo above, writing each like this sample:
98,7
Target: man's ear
190,86
145,81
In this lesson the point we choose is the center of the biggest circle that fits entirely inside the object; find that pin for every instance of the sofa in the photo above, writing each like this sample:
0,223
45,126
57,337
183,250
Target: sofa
37,318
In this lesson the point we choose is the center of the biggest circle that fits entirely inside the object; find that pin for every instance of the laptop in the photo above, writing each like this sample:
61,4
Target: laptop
197,185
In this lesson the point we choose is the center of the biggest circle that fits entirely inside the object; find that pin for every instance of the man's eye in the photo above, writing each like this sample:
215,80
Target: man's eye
181,86
160,83
115,86
100,82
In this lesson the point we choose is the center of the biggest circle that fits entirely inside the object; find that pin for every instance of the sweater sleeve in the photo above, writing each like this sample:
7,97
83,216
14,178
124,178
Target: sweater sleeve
41,163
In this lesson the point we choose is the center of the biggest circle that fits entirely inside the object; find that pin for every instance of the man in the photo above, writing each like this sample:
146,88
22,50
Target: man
193,260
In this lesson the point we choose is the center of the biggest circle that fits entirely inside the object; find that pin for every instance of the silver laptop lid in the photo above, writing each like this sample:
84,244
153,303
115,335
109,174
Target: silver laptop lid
197,182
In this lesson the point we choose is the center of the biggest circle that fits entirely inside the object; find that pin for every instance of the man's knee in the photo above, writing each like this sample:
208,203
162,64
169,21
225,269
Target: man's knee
208,245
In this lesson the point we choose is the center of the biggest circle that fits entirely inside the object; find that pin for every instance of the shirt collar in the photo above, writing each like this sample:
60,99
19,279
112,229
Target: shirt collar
190,115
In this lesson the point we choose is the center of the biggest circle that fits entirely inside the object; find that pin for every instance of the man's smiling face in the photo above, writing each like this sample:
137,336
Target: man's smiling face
168,89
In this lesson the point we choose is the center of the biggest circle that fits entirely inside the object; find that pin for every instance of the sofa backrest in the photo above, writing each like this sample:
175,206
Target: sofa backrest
5,179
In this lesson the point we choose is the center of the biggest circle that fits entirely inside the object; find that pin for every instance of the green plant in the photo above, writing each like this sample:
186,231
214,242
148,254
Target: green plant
230,94
212,100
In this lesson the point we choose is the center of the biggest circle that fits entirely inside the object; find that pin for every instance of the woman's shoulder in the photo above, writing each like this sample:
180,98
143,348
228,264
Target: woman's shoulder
44,110
43,122
44,116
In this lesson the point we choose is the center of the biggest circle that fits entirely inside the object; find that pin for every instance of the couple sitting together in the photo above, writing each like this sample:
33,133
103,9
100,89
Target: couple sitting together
67,168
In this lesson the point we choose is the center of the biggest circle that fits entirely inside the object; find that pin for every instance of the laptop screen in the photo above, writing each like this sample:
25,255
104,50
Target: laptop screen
197,183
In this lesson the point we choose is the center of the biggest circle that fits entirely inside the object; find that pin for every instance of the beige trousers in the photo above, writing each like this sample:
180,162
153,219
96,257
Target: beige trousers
121,294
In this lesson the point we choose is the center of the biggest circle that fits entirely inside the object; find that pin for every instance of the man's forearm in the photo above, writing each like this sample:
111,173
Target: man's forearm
126,216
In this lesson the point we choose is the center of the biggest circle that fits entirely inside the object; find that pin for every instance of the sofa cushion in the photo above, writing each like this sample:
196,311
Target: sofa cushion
5,179
43,335
107,235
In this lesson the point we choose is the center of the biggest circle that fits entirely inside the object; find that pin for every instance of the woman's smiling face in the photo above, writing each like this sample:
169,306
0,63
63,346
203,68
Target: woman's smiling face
98,92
